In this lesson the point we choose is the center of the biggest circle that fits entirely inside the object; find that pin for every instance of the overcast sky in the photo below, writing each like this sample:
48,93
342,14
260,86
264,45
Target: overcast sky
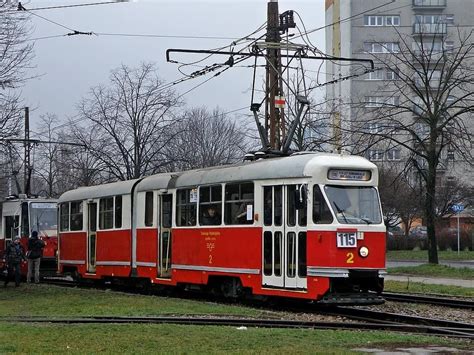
69,66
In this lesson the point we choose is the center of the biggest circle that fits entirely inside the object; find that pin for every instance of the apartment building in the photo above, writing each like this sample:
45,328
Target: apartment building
381,28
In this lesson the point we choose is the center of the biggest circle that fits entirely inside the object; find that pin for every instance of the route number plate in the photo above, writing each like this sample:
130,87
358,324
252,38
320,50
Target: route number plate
346,239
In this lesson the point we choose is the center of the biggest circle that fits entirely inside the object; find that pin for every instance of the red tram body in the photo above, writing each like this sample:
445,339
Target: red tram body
306,226
22,215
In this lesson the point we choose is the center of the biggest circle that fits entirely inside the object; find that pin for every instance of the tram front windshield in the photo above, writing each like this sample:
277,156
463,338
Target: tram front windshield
354,204
43,217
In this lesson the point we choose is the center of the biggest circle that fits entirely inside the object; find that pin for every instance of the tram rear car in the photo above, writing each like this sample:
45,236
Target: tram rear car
305,226
21,216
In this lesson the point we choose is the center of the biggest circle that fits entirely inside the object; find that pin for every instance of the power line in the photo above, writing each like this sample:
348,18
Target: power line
169,36
21,7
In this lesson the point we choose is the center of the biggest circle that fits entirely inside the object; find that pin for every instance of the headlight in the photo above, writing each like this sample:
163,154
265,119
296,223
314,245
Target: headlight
364,252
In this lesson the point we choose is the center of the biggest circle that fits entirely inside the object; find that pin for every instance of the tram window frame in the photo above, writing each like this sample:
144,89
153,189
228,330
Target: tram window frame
64,217
238,196
118,210
149,209
210,196
186,207
76,217
106,213
324,210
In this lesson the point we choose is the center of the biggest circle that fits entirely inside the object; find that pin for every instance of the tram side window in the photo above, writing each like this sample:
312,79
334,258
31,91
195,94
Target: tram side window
106,213
76,216
321,212
64,217
118,211
239,203
186,207
149,209
11,226
210,205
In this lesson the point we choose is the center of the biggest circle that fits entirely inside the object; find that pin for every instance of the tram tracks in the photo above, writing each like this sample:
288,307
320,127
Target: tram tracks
450,331
422,299
356,319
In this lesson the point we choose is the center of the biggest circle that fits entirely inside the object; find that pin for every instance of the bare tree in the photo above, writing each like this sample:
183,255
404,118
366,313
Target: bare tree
16,54
400,198
426,111
45,169
204,139
132,119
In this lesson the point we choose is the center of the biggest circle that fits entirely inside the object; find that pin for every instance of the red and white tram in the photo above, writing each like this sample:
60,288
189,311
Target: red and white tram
21,215
307,226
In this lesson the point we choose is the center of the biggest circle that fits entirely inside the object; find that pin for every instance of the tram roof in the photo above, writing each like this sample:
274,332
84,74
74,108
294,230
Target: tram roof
305,164
112,189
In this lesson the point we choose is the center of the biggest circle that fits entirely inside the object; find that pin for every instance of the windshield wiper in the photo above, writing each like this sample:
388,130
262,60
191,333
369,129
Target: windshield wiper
366,220
341,211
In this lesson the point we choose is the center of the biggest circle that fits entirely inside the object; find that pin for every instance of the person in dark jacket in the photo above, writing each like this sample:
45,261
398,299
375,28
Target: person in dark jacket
35,252
14,255
211,217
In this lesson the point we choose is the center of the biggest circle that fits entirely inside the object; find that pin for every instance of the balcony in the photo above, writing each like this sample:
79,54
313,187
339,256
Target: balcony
430,28
429,4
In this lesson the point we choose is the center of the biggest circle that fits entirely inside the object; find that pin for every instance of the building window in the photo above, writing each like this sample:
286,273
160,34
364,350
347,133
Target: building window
106,213
371,20
380,101
450,155
393,154
375,155
392,20
377,20
383,74
449,46
149,208
374,128
431,78
186,207
239,203
382,47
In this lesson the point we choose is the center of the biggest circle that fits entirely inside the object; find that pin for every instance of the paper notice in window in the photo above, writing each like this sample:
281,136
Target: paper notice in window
249,212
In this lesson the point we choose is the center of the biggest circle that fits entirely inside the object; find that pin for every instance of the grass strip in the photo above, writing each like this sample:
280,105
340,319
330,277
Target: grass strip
422,255
196,339
426,289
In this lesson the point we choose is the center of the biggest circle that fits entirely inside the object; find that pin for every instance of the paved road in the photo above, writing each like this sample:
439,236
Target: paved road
430,280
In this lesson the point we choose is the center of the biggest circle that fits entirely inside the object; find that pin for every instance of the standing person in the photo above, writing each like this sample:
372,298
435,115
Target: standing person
14,255
35,252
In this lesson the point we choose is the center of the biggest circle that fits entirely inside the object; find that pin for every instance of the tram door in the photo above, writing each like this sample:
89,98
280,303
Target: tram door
91,237
164,235
284,236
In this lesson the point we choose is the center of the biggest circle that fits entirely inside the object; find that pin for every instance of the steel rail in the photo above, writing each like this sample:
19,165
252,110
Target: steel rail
441,301
258,323
369,315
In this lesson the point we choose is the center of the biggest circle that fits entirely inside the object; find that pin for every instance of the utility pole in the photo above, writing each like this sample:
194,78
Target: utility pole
274,116
27,170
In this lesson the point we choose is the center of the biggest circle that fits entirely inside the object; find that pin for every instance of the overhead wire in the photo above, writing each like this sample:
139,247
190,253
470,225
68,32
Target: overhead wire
69,6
